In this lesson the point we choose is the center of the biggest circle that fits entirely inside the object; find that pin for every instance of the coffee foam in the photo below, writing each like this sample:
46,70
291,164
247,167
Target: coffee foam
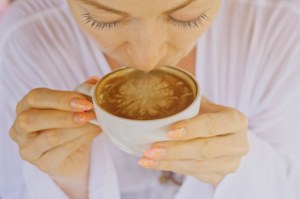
145,96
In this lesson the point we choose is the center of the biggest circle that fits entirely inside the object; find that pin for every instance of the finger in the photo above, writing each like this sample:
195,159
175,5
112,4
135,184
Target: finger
49,139
36,120
200,149
209,125
18,135
18,139
93,80
52,159
44,98
222,166
210,178
208,106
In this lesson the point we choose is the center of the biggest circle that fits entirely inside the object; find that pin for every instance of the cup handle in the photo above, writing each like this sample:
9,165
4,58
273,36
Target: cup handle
87,89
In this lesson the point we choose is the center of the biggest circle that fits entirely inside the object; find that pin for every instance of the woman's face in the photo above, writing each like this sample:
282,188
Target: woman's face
145,33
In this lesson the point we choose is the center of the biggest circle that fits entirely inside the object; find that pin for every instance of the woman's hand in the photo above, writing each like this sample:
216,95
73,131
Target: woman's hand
208,146
53,133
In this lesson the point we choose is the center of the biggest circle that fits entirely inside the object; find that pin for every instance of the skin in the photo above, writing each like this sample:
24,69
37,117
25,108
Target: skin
145,39
52,129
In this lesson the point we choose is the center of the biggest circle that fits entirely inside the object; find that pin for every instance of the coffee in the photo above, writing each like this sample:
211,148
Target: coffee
133,94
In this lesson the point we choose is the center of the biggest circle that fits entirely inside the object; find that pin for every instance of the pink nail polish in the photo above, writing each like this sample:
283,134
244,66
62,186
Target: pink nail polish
146,163
93,79
156,153
81,117
81,104
177,134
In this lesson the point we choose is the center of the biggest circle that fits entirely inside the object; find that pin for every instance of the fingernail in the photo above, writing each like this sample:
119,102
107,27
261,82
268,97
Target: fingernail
146,163
81,104
93,79
82,117
177,134
156,153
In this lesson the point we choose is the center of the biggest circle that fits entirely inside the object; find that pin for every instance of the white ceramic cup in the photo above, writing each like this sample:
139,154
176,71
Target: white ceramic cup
136,136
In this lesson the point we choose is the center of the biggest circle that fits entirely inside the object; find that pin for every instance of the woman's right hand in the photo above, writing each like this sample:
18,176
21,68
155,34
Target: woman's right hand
53,132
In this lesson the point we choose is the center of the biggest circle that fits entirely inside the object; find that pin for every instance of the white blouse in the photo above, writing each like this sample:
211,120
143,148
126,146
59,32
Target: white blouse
249,59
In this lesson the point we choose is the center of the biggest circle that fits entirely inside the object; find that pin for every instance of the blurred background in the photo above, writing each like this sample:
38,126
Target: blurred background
3,5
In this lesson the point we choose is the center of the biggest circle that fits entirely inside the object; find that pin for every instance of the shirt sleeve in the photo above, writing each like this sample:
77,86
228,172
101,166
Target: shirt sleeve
19,179
42,51
29,58
270,93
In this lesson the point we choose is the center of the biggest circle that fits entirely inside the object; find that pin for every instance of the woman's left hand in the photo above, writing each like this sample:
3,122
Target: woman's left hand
208,146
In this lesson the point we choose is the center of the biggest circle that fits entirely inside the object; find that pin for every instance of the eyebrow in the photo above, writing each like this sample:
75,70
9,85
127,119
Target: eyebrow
115,11
103,7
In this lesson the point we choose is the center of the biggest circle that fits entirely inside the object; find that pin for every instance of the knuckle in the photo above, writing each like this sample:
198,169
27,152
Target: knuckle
24,121
243,121
242,144
12,134
233,167
239,118
34,96
19,107
245,149
20,139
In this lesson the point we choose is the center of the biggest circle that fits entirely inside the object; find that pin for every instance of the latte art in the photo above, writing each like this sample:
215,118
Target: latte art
145,96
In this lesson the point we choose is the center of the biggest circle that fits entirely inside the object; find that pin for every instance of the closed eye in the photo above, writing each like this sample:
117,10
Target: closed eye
194,23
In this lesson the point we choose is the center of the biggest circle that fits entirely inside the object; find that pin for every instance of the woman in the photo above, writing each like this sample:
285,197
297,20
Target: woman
248,60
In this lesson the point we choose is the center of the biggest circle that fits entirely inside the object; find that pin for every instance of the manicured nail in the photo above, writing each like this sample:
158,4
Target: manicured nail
81,104
146,163
93,79
177,133
82,117
156,153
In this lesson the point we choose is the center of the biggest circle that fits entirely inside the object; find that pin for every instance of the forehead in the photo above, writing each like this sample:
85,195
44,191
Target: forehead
130,3
148,6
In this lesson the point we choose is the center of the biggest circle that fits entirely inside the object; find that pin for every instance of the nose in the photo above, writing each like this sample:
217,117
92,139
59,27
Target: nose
146,47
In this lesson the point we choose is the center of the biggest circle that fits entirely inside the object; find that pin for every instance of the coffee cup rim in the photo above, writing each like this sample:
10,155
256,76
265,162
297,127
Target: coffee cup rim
198,91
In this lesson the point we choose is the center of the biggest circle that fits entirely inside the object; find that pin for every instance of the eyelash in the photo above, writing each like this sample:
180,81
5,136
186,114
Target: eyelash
99,25
195,23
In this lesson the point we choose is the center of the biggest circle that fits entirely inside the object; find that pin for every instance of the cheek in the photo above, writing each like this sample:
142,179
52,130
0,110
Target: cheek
106,40
184,40
190,36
